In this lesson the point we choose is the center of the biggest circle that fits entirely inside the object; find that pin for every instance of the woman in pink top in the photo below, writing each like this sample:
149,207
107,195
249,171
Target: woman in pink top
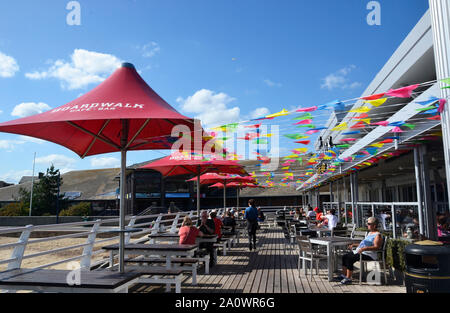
188,233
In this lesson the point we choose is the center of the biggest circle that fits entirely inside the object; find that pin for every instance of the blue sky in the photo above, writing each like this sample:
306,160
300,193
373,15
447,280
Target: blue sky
218,60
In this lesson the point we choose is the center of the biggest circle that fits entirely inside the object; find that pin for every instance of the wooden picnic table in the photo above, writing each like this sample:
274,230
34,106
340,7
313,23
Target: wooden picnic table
176,238
43,280
331,243
166,250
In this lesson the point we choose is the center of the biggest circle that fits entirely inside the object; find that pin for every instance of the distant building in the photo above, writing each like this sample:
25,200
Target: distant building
4,184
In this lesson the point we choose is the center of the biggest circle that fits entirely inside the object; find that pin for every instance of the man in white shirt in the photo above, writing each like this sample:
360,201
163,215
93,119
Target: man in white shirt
311,215
331,219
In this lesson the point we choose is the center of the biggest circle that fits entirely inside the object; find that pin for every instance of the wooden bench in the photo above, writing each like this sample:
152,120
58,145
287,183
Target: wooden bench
59,281
223,243
158,275
186,264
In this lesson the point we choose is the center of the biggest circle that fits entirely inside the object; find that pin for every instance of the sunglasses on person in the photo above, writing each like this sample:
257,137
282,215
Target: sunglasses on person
370,224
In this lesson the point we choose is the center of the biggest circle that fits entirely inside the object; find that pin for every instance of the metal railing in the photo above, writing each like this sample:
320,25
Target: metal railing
149,224
393,216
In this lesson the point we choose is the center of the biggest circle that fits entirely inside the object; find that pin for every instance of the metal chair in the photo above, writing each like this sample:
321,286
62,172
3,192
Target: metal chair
308,253
381,260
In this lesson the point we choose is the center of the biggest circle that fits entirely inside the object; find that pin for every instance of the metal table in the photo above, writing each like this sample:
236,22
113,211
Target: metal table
331,243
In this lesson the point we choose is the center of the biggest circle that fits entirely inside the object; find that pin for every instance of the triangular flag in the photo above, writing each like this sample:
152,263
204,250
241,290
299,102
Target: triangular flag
442,103
377,103
304,116
363,109
304,122
404,92
284,112
374,97
341,127
310,109
397,130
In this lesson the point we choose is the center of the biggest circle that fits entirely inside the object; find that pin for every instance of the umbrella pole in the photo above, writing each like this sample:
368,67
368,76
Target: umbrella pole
123,168
122,210
237,200
198,192
224,195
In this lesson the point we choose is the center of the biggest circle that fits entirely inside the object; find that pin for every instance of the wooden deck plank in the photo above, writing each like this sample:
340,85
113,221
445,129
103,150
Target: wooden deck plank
271,269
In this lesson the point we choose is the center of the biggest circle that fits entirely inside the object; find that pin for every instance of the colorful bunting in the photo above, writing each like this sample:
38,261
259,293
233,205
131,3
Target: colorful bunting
284,112
363,109
404,92
377,103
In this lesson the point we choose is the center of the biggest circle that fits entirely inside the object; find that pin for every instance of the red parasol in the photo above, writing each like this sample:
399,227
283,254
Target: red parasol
123,113
179,164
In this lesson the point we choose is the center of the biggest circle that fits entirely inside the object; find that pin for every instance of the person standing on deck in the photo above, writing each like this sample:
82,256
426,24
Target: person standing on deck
251,215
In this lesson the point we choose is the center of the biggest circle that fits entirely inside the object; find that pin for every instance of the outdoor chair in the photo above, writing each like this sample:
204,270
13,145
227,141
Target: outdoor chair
308,253
381,260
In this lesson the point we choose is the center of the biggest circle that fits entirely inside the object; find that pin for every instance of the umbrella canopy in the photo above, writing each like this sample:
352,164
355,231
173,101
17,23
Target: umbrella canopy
93,123
180,164
212,178
236,185
122,113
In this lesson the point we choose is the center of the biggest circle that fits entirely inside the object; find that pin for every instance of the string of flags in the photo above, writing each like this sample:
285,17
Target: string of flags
305,119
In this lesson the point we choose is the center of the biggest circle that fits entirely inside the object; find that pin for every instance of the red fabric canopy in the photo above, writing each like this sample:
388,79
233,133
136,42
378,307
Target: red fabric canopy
212,178
92,124
236,185
174,165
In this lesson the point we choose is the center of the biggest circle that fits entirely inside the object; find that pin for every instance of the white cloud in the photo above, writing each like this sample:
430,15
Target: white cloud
32,139
150,50
85,68
15,176
211,108
59,161
106,162
259,112
270,83
339,79
8,66
10,145
29,108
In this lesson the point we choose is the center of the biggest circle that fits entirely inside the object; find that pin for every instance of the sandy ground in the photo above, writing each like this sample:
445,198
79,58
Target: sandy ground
54,257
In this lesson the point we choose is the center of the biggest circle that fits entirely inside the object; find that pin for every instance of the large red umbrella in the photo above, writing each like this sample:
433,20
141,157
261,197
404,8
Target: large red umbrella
180,164
122,113
239,186
212,178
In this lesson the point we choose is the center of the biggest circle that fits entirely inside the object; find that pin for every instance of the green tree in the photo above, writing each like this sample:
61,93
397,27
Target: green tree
44,194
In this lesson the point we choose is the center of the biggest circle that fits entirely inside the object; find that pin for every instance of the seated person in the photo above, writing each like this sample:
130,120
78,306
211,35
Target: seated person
319,215
442,226
188,233
368,248
229,221
329,220
217,224
261,216
311,215
207,227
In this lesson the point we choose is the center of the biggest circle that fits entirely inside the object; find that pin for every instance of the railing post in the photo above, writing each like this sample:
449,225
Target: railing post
173,228
87,251
394,222
130,224
19,250
155,228
373,210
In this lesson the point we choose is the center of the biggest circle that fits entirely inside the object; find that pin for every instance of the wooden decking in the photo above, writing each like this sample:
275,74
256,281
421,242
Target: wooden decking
271,269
